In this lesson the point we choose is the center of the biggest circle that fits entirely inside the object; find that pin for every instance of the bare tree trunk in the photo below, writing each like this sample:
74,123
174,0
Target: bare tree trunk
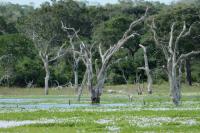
150,82
188,72
175,90
76,80
180,74
147,70
46,66
175,84
98,90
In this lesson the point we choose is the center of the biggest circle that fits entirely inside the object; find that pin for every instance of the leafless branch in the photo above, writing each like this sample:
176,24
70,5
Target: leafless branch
184,56
134,23
180,36
171,38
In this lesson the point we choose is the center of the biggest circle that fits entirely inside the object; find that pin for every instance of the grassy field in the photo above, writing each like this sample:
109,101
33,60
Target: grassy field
29,111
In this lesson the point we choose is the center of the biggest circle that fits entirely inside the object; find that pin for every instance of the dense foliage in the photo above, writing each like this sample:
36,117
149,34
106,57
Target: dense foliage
97,24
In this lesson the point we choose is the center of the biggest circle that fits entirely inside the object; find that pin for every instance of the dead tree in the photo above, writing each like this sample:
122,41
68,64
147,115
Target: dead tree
76,57
75,70
43,30
96,78
29,84
147,70
173,58
58,86
46,53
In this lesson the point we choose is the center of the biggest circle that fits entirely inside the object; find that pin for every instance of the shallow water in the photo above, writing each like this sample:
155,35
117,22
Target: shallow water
22,103
62,103
19,100
42,106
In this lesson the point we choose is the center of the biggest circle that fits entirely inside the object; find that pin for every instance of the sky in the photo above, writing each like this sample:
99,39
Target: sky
38,2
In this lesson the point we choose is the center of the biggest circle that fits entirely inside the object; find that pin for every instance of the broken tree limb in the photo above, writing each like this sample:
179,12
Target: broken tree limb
147,70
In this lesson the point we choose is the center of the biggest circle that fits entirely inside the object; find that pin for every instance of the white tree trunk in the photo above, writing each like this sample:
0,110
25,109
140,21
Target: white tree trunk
46,66
150,82
175,90
147,70
98,89
76,80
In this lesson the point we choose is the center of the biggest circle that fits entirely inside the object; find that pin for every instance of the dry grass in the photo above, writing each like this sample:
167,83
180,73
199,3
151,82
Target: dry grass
129,89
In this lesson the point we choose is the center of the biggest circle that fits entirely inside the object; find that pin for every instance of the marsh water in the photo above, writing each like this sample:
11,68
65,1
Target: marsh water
43,103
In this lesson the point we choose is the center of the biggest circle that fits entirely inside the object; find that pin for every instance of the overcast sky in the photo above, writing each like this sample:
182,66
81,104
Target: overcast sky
38,2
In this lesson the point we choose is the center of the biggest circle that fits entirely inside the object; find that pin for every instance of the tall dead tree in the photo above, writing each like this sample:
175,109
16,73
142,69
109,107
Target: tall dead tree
173,58
96,78
75,57
147,70
46,51
75,70
44,31
46,55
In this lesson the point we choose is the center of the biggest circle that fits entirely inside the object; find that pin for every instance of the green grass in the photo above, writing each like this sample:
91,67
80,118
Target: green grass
87,121
146,113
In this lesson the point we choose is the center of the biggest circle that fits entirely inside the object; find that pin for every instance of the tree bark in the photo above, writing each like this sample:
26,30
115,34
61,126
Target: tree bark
150,82
175,90
95,98
46,66
147,70
76,80
98,89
